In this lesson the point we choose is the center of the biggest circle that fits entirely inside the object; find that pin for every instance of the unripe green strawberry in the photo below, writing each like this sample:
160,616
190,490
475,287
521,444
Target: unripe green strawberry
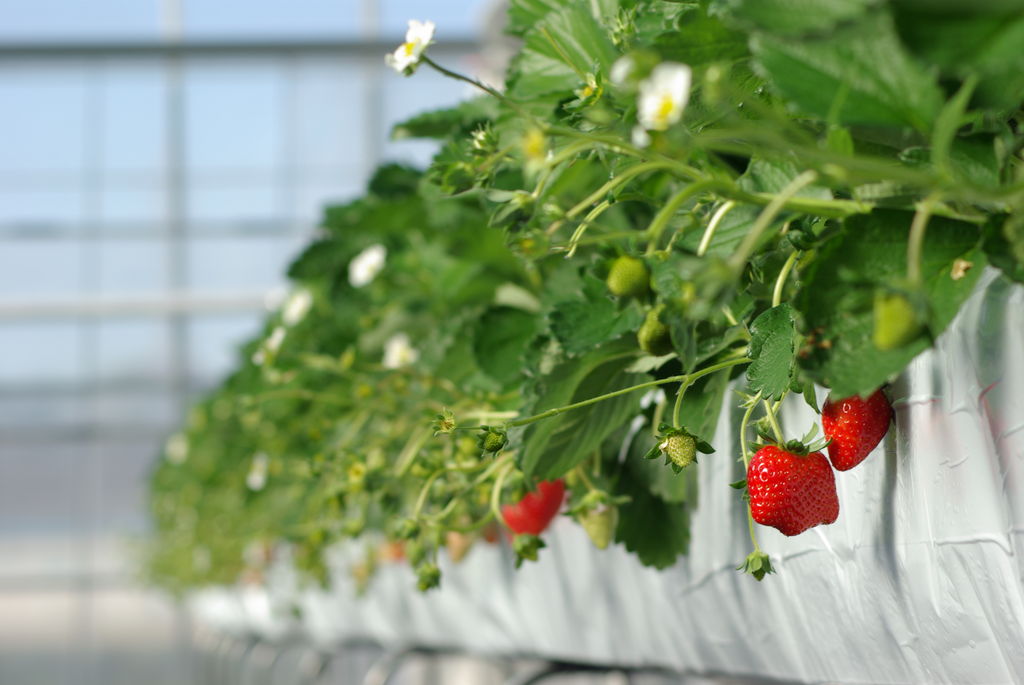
493,441
599,523
680,448
628,277
653,336
897,322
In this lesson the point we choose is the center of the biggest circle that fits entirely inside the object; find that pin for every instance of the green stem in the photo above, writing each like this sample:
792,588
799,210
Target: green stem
780,282
687,378
915,242
614,183
582,473
407,456
744,452
424,491
499,483
709,232
774,422
496,464
750,525
466,79
574,240
683,387
570,150
664,215
764,219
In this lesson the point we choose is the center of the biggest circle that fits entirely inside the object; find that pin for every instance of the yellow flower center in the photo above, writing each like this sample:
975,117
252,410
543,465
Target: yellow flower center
408,48
665,108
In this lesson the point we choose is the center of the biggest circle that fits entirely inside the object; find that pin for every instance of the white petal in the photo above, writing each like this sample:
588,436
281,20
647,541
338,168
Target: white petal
399,352
297,306
365,266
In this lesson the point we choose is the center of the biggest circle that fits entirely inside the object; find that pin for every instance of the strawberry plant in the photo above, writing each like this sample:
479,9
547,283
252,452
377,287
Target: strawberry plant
664,200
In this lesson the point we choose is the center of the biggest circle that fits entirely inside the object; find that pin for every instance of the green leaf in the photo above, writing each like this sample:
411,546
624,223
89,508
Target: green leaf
502,335
443,123
582,323
860,72
702,404
794,17
1004,245
773,349
970,39
560,50
772,175
553,446
701,39
658,532
838,290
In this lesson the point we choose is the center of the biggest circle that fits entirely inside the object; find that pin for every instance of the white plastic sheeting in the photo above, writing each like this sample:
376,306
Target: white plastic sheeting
919,581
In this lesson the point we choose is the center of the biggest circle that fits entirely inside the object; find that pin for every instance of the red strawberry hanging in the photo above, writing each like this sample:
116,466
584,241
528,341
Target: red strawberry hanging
532,514
791,491
855,426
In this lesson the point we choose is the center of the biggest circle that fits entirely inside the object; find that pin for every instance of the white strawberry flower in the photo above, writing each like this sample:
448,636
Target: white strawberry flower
256,479
663,96
399,352
270,346
407,56
296,307
365,266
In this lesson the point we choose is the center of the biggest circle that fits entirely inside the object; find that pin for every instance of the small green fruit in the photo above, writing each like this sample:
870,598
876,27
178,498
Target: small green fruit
680,448
896,321
653,336
599,523
492,441
628,277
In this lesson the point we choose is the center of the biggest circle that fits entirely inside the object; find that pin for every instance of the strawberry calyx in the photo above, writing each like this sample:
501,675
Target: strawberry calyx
527,547
757,564
808,444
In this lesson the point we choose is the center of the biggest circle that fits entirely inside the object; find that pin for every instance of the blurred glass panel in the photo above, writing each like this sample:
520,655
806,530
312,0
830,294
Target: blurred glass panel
44,490
234,114
258,18
146,408
329,132
125,466
238,263
40,209
213,342
132,349
131,266
46,105
41,352
135,210
454,18
78,19
236,202
32,268
134,116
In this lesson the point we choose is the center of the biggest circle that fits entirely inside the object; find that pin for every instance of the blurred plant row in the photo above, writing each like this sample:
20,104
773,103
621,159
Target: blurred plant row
666,200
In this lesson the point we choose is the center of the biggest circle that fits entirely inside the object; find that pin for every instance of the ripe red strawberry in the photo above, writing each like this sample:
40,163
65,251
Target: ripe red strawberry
855,427
532,514
790,491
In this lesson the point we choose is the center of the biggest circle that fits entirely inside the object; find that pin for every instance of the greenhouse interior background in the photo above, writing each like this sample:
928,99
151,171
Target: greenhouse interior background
658,230
161,162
